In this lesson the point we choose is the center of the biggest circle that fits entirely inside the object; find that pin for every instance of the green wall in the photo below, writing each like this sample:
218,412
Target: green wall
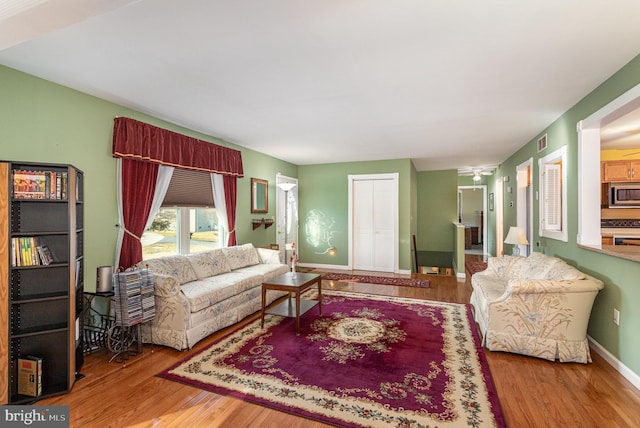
437,209
621,277
323,193
45,122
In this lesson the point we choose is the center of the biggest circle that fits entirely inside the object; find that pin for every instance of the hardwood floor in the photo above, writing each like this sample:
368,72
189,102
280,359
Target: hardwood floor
533,392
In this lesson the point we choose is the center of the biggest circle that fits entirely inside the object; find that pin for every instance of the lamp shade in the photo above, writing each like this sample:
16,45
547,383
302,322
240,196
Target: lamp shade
516,236
286,186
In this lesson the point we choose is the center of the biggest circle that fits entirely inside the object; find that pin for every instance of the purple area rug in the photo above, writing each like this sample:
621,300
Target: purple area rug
407,282
367,361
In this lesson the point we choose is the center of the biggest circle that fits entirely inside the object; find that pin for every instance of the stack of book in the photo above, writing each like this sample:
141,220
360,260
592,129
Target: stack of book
39,184
29,251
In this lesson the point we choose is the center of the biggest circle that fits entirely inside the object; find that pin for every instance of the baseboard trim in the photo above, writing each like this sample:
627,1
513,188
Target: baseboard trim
322,266
625,371
462,276
342,267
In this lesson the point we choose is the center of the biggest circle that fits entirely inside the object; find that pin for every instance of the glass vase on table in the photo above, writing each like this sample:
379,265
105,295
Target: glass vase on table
294,259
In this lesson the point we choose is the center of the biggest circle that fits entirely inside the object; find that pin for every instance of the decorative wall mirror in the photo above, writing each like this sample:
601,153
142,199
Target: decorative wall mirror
259,195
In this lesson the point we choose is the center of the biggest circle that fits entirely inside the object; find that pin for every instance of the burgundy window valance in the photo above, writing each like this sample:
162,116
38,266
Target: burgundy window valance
140,141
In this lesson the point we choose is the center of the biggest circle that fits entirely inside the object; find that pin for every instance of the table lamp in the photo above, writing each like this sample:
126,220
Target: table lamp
516,237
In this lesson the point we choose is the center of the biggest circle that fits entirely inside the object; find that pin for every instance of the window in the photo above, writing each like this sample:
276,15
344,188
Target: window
181,230
553,195
186,223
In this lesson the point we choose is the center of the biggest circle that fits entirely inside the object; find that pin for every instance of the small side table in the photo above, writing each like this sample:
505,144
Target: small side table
293,283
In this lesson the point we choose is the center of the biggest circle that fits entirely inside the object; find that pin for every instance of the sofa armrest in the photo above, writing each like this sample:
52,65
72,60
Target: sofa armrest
537,286
269,256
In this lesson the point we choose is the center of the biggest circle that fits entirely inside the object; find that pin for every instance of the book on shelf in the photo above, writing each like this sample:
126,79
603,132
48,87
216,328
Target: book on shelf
30,376
46,256
39,184
29,251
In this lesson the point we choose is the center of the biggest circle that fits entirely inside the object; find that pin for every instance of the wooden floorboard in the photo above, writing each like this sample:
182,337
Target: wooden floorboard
532,392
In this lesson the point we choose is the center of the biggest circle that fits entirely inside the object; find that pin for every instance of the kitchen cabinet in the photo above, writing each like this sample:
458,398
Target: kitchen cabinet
621,170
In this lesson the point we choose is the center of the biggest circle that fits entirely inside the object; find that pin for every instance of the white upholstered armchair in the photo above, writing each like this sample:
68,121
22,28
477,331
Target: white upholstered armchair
536,305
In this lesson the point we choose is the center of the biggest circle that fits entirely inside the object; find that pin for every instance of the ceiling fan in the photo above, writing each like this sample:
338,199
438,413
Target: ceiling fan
477,173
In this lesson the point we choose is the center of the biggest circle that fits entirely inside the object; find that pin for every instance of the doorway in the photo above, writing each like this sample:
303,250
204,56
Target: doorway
373,222
524,203
286,214
472,209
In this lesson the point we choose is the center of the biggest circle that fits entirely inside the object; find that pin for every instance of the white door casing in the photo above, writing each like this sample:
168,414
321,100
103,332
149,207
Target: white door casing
292,214
482,208
499,216
524,203
373,222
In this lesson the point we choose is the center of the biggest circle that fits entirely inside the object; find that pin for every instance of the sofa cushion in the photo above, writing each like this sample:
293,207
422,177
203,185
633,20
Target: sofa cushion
209,291
269,256
503,266
267,271
541,266
241,256
176,266
536,266
209,263
565,272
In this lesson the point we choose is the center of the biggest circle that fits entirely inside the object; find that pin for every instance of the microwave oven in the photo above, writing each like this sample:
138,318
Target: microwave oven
624,195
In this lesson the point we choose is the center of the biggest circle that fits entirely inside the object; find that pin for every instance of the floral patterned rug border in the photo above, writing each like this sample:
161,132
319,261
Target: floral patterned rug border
370,279
367,361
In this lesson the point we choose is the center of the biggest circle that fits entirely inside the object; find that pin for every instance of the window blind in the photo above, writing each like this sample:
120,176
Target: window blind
189,188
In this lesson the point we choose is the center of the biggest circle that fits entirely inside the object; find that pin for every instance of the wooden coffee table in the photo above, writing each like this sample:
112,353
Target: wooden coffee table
295,285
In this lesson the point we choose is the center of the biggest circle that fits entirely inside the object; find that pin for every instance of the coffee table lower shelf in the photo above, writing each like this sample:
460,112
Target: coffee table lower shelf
287,308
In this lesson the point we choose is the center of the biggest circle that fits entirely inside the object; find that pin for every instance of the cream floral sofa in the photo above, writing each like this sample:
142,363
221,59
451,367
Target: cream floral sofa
537,305
201,293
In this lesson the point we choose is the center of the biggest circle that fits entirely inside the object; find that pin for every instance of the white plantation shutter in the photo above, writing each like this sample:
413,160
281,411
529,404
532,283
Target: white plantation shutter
552,176
553,195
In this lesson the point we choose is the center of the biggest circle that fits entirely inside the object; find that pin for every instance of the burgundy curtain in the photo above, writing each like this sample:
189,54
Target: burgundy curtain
142,148
230,196
140,141
138,187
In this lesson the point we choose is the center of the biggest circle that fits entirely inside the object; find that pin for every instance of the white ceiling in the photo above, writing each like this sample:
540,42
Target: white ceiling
449,84
623,133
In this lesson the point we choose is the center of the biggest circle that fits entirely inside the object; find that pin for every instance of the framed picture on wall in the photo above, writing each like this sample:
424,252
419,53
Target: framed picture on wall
490,201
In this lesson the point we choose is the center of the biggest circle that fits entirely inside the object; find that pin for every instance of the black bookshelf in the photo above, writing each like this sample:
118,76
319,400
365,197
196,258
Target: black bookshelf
41,206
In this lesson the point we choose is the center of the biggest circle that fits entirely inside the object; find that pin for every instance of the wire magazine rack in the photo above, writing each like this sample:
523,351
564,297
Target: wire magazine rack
134,304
